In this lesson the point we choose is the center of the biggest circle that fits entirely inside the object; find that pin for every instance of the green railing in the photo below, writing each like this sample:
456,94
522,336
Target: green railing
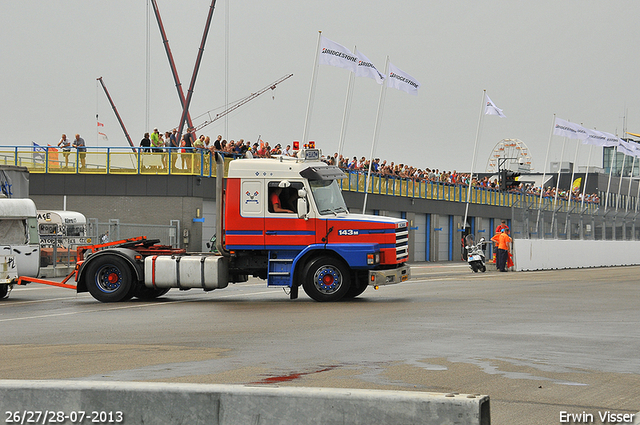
119,160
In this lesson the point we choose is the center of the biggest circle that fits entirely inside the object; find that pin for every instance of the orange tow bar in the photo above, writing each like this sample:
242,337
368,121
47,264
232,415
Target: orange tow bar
23,280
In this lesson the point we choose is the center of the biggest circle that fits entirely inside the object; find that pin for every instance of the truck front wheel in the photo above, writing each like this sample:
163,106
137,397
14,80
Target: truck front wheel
109,279
357,288
326,279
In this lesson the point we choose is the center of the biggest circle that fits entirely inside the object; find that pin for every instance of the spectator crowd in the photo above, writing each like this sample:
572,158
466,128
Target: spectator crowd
188,143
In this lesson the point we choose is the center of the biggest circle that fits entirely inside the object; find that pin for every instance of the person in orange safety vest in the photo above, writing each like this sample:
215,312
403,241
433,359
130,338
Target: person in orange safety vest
503,241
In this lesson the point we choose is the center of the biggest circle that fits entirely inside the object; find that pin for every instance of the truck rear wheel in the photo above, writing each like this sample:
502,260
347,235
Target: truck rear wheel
3,291
326,279
109,279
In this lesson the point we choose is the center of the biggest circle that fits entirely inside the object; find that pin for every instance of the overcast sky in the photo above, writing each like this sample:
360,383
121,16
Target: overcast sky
574,58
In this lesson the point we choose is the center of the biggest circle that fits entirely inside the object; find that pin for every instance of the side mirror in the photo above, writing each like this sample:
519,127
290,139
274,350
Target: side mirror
482,239
302,206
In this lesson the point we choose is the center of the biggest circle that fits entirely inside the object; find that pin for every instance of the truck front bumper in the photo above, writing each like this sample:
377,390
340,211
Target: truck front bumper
389,277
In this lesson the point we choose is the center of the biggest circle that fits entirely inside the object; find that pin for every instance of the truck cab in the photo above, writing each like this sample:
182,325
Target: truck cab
279,219
316,242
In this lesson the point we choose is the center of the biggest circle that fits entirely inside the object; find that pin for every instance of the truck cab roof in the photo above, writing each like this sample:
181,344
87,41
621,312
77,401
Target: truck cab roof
283,168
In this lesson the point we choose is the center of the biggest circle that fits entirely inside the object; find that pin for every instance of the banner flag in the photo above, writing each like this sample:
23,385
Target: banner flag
400,80
568,129
576,184
594,137
335,54
367,69
628,148
39,152
103,136
491,108
600,138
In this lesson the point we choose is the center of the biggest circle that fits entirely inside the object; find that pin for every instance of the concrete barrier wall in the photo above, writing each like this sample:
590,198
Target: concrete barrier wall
164,403
537,254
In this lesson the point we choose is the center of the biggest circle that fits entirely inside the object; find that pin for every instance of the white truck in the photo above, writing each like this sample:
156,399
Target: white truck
19,241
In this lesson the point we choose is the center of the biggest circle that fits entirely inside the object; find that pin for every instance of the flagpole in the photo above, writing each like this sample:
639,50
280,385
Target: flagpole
606,199
376,131
586,176
637,197
314,77
544,174
626,207
473,160
573,173
555,198
624,158
347,111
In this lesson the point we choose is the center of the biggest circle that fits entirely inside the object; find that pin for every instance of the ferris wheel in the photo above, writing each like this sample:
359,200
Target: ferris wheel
511,154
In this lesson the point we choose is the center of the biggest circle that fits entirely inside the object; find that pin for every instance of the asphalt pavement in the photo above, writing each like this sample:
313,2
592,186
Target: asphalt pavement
540,344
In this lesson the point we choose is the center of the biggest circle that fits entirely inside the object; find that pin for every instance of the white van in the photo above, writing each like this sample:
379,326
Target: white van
19,241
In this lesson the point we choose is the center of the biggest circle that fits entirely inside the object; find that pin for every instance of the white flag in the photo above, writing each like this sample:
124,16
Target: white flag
491,108
335,54
569,129
628,148
610,140
400,80
367,69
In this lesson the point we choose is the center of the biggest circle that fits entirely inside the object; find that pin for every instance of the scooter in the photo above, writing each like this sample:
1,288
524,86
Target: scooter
475,254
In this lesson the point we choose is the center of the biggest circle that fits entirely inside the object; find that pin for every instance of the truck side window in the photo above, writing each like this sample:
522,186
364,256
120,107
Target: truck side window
276,204
283,200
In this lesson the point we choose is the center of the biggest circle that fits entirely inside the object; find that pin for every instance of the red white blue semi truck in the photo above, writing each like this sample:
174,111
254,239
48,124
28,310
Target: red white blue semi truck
316,243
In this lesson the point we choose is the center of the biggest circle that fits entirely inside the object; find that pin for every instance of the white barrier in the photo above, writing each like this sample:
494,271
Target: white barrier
130,403
545,254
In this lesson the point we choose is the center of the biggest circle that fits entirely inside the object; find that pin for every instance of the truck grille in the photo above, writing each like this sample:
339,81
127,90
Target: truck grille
402,242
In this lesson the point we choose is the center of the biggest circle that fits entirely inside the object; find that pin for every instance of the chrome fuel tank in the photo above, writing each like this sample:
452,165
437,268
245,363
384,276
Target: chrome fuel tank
199,271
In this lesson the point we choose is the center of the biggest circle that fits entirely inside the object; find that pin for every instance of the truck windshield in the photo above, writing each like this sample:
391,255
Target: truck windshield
328,196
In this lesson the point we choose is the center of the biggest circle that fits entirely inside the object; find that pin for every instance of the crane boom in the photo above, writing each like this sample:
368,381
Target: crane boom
172,63
187,102
241,102
116,111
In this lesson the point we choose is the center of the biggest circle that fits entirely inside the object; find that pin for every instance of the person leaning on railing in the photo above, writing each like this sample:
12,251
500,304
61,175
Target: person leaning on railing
82,150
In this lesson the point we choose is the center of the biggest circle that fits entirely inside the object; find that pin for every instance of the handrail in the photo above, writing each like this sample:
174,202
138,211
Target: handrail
113,160
431,190
199,162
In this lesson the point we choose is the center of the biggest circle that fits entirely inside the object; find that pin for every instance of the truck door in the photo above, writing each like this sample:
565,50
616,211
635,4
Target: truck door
285,229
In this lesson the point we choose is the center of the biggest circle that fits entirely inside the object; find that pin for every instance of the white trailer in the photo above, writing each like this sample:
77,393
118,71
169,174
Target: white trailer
62,228
19,241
